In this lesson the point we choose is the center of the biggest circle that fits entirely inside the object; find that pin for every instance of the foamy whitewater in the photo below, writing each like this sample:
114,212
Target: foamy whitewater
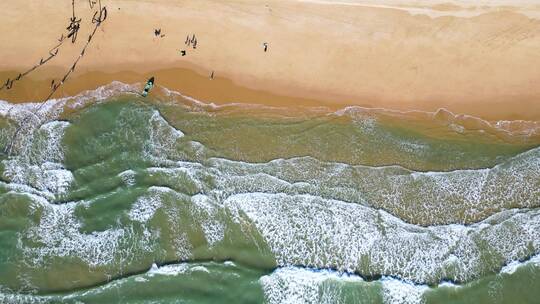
107,193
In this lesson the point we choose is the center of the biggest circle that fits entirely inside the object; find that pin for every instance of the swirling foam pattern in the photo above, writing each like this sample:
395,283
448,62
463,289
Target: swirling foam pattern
103,188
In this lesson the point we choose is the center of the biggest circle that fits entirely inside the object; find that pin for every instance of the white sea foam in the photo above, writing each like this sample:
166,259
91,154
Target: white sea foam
188,174
102,93
39,166
170,202
54,107
310,231
514,265
200,105
128,177
50,179
207,211
304,217
31,110
169,270
229,263
402,292
140,279
459,123
30,116
163,137
58,236
23,299
457,196
305,229
145,207
293,285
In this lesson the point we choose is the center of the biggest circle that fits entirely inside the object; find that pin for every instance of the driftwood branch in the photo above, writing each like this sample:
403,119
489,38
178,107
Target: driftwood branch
99,17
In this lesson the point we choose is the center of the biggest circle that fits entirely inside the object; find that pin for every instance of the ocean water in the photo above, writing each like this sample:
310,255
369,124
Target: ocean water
111,198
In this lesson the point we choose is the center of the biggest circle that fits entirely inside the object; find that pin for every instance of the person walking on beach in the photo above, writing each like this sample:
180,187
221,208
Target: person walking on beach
157,33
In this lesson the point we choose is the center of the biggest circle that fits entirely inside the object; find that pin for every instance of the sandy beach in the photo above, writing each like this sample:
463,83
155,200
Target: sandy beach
478,59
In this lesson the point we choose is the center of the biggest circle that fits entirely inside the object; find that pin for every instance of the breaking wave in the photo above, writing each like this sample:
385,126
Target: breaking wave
137,190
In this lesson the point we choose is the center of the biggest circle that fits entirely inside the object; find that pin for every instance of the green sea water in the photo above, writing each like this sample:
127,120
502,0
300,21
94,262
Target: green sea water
112,198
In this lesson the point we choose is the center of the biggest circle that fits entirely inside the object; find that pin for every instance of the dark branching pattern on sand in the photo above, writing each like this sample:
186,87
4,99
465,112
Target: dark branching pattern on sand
99,17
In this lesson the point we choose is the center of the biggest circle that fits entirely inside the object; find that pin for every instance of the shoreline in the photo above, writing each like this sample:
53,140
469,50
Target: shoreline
221,90
508,131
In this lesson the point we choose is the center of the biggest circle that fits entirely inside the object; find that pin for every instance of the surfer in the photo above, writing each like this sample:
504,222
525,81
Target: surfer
149,85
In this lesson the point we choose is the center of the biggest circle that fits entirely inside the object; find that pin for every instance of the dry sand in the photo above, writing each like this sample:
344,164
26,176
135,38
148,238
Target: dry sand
476,57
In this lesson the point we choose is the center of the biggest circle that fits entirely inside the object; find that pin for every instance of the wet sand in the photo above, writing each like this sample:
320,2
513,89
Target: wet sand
400,56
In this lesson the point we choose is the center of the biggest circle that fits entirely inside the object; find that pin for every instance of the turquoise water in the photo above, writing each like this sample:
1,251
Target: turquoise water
111,198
